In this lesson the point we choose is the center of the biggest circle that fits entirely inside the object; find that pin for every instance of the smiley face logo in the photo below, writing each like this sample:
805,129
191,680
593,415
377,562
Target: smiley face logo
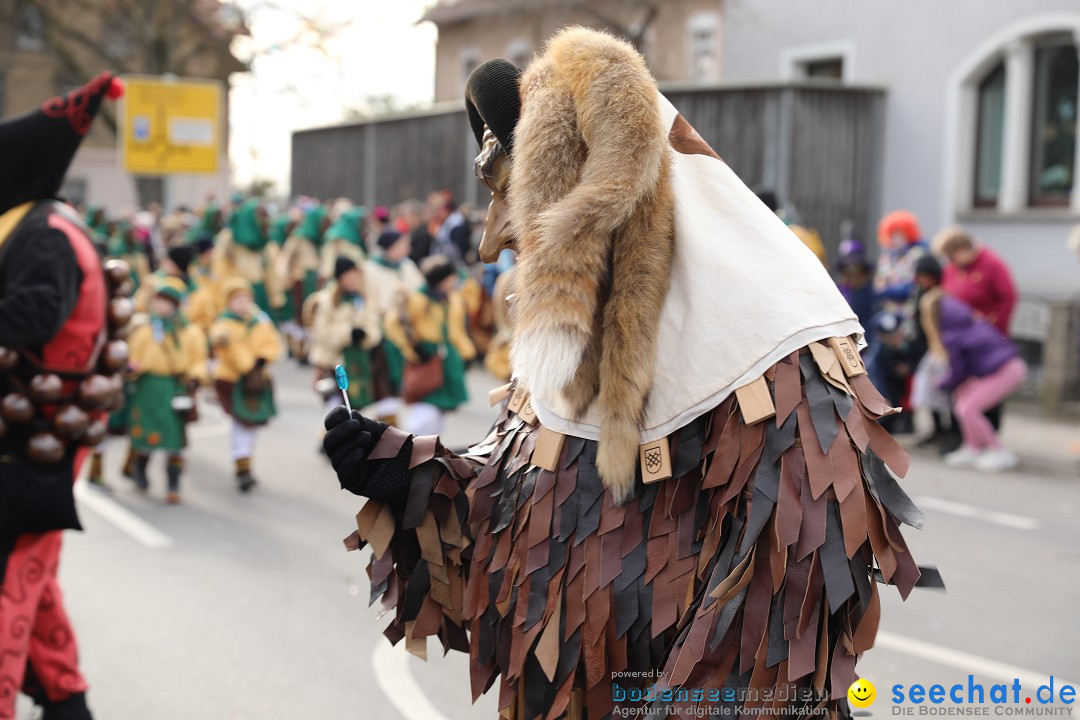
862,693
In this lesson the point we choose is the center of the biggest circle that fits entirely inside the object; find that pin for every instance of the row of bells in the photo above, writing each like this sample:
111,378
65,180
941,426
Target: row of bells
99,393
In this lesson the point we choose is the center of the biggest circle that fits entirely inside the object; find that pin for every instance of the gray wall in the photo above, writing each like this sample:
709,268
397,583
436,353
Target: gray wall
912,49
818,147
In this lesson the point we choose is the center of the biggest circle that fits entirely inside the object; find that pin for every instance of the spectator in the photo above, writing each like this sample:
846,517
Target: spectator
984,369
415,215
856,283
978,276
931,368
453,239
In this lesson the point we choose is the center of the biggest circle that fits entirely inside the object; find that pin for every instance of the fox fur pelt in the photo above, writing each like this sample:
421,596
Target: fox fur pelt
591,207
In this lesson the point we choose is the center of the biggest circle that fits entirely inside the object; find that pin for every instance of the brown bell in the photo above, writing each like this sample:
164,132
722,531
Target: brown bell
114,397
115,356
45,448
71,422
16,408
94,392
124,289
120,312
46,388
117,271
94,434
121,333
8,359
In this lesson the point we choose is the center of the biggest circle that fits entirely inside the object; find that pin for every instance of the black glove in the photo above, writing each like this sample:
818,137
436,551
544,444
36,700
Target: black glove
348,441
423,353
358,336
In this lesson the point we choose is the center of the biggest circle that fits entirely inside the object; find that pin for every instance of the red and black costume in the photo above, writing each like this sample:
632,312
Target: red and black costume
55,314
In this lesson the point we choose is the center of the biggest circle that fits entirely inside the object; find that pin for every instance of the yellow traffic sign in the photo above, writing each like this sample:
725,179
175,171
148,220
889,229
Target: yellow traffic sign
171,126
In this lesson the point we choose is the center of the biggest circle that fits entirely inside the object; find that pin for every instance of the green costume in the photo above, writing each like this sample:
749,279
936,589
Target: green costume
347,227
279,233
154,423
210,223
311,230
251,408
98,225
250,234
453,393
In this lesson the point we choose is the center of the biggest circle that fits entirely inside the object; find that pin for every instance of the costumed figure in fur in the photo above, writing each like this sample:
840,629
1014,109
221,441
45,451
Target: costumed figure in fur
62,319
686,478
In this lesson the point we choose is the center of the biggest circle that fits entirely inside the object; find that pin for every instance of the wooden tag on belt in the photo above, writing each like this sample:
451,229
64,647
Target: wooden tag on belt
548,449
499,394
755,402
528,412
848,354
517,400
655,460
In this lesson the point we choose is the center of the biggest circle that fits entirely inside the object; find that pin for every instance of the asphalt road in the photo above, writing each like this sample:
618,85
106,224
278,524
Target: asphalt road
234,606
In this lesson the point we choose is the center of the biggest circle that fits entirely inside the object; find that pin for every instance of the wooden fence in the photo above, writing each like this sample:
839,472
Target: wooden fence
819,146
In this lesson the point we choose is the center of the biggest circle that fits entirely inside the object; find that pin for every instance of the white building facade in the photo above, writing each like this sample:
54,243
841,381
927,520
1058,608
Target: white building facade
981,110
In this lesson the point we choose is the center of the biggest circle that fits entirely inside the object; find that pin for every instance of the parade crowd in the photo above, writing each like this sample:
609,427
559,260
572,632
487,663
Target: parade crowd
395,295
399,297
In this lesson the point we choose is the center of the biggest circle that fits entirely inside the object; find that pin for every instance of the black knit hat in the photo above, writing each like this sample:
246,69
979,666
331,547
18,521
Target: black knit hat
437,268
928,265
492,98
203,243
387,239
182,256
36,148
342,265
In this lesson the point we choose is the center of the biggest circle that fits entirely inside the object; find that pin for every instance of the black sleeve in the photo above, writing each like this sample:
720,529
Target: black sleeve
41,280
461,236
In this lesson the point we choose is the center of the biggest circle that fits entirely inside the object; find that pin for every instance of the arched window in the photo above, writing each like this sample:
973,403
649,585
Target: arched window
1053,127
990,136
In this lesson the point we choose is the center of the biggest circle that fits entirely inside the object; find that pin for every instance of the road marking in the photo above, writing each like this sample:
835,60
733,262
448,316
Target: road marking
392,674
973,664
951,507
123,519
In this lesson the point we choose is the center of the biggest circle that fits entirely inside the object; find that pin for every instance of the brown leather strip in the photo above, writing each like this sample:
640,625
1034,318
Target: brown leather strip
685,140
818,465
885,447
866,630
812,531
430,544
787,387
853,518
788,507
423,449
390,443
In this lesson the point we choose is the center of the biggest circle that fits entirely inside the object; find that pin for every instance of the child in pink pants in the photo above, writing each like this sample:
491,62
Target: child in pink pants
984,368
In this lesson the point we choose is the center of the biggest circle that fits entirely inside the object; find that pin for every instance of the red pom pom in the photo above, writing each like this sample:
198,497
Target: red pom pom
115,91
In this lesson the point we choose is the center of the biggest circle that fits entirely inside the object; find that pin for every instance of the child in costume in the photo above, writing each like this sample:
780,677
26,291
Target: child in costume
686,483
168,360
205,303
344,238
432,322
298,270
243,250
346,327
245,344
